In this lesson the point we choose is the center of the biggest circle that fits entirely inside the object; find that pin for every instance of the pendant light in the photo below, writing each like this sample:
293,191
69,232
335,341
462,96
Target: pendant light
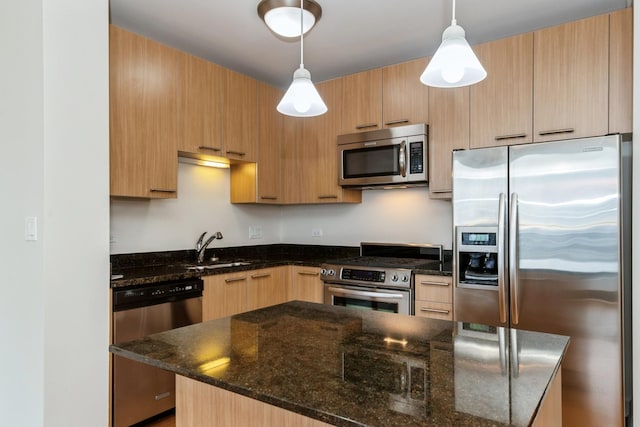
454,63
302,99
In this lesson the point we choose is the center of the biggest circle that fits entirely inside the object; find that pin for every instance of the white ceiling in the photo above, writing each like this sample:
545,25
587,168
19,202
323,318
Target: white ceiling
351,36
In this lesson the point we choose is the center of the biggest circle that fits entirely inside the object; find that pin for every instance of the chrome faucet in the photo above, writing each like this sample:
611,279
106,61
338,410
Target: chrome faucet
201,247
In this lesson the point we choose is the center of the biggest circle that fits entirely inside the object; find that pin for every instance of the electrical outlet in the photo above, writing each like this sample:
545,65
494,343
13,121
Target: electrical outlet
316,232
255,232
112,238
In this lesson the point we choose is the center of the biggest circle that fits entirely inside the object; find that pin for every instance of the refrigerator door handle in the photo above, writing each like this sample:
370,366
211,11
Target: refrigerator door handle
513,259
502,258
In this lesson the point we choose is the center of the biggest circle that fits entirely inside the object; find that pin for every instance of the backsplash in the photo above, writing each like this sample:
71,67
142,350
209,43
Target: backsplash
404,216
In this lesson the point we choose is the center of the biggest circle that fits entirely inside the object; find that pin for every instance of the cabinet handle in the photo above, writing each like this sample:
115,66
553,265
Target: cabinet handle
328,196
269,197
434,283
237,153
234,279
368,125
260,276
308,273
162,190
396,122
434,310
551,132
206,147
514,136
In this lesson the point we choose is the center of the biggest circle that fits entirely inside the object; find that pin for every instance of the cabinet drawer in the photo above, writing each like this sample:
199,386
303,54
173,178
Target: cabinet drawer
434,310
434,288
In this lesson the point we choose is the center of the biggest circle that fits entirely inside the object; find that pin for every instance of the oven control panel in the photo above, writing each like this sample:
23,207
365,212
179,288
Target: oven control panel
371,276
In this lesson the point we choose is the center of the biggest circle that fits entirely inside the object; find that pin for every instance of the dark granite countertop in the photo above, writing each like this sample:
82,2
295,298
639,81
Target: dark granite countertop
350,367
153,267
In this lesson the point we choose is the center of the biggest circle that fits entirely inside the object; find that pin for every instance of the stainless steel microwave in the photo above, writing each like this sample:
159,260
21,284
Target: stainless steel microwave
386,157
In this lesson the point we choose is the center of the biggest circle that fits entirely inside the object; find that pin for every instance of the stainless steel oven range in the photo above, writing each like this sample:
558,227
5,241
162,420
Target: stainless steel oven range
381,278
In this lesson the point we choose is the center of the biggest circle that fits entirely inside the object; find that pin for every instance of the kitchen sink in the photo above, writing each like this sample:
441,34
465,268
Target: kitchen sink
202,267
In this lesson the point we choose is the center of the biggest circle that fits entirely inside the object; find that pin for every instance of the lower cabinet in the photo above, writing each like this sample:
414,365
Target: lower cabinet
434,297
228,294
305,284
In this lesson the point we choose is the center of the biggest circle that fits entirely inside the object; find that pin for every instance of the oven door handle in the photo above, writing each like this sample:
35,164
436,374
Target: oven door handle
365,294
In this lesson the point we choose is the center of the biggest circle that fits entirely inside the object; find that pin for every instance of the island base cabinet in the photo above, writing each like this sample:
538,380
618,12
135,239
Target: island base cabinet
203,405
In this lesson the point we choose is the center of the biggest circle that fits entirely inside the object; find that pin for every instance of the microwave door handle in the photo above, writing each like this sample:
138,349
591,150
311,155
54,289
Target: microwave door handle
365,294
502,259
402,161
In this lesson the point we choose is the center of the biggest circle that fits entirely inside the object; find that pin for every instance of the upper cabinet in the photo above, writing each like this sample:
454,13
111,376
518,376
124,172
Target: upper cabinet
405,99
240,117
385,97
362,101
261,182
621,71
142,106
571,80
448,131
501,105
200,106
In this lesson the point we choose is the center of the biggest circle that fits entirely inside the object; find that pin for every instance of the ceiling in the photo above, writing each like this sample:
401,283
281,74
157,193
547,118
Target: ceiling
351,36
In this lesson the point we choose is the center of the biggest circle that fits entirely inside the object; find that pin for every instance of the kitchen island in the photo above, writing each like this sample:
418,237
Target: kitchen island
311,364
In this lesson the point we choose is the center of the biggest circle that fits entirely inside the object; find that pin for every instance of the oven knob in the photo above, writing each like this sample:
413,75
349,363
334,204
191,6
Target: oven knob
405,278
394,277
323,271
331,272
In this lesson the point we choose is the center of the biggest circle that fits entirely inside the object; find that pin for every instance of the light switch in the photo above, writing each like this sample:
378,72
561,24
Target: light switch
31,228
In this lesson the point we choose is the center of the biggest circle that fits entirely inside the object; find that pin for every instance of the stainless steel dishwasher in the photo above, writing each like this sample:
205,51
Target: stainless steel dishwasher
141,391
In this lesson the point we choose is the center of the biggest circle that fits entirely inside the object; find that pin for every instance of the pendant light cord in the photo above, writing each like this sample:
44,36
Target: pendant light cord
453,13
302,34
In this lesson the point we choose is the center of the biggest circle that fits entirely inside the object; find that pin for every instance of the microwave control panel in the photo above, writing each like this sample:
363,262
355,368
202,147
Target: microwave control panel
416,157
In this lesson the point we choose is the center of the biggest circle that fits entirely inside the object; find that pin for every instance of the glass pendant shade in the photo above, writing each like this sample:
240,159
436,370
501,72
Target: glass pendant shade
302,99
285,21
454,63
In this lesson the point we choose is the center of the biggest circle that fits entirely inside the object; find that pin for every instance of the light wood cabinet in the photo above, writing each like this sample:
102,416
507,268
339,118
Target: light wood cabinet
571,80
621,71
228,294
305,284
142,107
405,100
260,182
240,117
200,106
309,154
434,296
266,287
362,101
224,295
448,131
501,105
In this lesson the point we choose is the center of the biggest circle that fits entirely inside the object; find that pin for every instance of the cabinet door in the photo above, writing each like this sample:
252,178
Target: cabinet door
571,80
224,295
621,71
261,182
240,117
448,131
362,101
142,94
317,153
293,166
306,284
501,110
200,105
405,98
266,287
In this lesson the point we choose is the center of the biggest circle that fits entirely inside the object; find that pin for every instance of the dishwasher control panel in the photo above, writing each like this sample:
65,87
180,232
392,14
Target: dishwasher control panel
156,293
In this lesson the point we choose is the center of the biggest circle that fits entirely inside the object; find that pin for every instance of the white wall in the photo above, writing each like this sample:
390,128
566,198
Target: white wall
406,215
54,166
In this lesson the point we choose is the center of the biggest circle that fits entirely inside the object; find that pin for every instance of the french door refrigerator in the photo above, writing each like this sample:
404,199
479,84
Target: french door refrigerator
542,242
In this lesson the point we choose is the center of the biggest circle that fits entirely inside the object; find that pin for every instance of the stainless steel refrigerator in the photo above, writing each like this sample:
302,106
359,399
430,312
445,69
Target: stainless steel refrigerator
542,242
